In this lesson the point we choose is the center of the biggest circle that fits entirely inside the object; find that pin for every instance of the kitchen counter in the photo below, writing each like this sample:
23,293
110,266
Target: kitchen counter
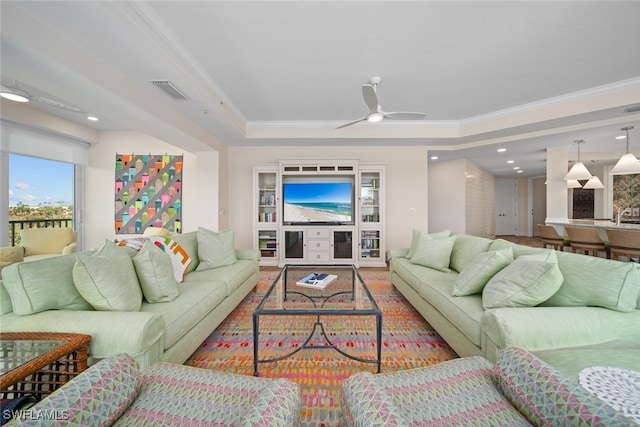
600,224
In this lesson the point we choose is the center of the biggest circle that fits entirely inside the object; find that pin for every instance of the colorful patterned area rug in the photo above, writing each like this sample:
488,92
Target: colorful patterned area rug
407,342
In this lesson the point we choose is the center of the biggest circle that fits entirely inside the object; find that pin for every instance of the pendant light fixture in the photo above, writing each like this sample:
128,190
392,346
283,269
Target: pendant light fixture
628,163
578,170
573,183
594,183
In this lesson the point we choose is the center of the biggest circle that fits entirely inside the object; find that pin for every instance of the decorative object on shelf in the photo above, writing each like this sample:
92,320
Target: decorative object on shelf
628,163
148,193
376,115
578,170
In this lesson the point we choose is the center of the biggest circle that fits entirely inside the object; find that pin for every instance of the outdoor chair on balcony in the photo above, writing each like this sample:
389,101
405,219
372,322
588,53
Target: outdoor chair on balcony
39,243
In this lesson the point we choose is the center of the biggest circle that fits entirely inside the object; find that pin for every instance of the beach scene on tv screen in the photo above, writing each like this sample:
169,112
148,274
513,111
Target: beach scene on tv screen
317,202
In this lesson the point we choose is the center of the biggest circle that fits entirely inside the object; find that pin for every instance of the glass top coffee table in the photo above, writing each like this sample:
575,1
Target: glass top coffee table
287,305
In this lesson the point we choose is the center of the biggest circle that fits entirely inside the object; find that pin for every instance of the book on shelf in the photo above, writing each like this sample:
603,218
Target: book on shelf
316,280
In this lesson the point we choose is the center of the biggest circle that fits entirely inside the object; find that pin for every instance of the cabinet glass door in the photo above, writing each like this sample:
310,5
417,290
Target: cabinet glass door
342,244
370,197
294,244
267,203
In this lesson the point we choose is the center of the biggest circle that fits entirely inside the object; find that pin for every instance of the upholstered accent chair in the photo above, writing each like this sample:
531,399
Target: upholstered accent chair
41,243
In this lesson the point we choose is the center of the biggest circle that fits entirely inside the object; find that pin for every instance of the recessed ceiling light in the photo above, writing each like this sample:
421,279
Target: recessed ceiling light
520,171
501,150
515,168
434,157
510,161
92,118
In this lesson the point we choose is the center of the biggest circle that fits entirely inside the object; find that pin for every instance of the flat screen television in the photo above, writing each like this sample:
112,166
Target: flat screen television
318,202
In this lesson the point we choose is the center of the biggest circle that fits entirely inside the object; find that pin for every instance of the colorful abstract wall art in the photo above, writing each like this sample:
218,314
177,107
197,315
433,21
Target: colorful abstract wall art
148,193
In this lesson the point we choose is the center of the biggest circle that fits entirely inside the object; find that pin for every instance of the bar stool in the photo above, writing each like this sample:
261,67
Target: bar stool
550,237
586,239
624,243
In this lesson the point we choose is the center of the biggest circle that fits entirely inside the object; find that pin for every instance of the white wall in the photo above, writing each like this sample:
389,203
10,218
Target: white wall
406,184
200,184
480,207
447,196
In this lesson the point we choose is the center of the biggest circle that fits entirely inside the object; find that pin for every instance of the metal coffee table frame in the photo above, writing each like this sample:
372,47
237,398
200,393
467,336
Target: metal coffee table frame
316,310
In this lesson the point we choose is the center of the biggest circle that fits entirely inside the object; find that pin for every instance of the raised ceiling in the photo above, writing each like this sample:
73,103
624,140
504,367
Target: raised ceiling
523,75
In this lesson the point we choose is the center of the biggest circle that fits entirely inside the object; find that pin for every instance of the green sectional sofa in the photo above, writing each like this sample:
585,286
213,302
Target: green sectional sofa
115,392
133,300
519,390
483,295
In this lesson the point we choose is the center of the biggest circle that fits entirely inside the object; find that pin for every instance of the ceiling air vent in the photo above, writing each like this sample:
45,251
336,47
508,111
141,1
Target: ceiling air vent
632,109
167,87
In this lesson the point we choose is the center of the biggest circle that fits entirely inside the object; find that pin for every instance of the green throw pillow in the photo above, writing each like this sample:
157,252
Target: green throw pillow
155,273
215,249
434,253
479,271
108,283
418,235
526,282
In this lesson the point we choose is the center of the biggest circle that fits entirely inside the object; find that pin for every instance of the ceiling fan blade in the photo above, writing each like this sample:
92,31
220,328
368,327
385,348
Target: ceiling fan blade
352,123
404,116
370,97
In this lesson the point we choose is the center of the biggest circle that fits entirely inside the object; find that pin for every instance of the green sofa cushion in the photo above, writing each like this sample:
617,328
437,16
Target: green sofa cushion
465,249
45,284
434,253
419,235
593,281
527,281
199,297
215,249
108,283
155,273
480,270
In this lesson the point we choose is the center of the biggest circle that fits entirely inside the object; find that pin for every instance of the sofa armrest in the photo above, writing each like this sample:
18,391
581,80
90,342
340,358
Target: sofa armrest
138,333
96,397
70,248
250,254
547,397
543,328
397,253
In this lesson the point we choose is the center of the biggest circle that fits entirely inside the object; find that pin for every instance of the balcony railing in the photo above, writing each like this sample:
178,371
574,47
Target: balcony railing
16,225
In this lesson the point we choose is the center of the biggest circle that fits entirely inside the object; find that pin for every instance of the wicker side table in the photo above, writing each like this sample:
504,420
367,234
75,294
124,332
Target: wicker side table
39,363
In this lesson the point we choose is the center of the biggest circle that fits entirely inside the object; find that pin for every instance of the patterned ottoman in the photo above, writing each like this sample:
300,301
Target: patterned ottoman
520,390
115,392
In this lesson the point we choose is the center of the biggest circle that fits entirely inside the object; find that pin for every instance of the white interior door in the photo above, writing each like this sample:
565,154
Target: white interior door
506,207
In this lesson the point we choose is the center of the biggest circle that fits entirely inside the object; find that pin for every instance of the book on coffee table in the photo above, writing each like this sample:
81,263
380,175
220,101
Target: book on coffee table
317,280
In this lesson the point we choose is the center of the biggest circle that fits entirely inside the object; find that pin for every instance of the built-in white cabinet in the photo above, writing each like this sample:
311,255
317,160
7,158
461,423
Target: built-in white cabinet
357,234
267,208
371,205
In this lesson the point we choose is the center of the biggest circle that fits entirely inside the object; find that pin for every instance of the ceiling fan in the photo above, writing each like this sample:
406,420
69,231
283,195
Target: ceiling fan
376,114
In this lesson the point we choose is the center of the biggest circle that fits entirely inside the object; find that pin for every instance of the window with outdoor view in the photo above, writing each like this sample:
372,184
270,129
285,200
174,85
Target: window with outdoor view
41,194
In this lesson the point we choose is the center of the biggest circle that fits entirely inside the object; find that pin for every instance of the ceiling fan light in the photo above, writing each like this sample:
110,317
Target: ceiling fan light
375,117
573,183
594,183
628,164
14,94
578,171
